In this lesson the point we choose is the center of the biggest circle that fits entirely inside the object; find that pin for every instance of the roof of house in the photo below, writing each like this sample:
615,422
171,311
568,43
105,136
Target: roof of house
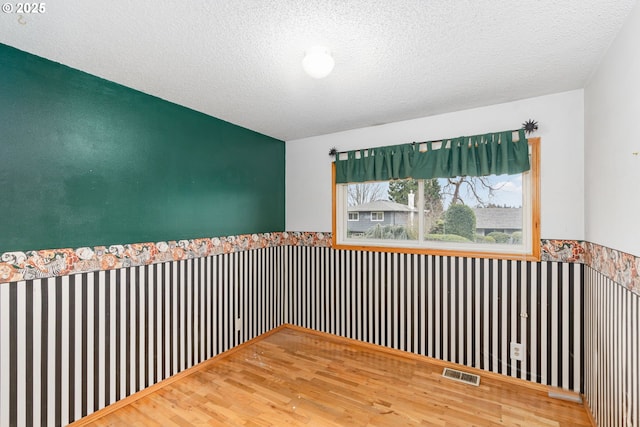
381,206
498,218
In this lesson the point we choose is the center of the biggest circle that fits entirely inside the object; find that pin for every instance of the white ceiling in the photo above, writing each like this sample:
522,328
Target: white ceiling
240,60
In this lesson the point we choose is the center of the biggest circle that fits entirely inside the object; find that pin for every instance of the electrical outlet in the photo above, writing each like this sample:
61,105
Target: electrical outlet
517,351
238,324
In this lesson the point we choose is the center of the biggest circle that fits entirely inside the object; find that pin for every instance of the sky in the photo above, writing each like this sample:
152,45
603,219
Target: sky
508,191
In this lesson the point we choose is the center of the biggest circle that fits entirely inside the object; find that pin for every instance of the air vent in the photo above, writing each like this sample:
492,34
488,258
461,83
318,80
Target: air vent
462,377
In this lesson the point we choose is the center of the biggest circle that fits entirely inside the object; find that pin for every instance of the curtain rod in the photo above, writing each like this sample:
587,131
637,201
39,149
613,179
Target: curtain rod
529,126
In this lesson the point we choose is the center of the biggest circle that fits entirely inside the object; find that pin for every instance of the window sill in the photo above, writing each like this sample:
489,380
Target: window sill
515,256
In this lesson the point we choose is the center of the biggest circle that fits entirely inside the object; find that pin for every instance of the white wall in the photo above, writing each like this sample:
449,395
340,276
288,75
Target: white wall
561,121
612,116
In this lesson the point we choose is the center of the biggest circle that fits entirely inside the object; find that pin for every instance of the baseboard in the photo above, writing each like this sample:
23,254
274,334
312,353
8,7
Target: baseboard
151,389
336,338
445,364
589,413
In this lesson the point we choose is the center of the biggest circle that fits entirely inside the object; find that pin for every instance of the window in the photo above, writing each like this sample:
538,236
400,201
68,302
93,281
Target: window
495,215
354,216
377,216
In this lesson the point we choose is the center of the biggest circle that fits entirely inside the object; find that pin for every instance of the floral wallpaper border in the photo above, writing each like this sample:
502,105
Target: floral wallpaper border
562,250
621,267
14,266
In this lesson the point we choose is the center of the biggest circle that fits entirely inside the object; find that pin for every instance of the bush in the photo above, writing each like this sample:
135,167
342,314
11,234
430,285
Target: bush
500,237
438,228
460,220
517,238
484,239
391,232
446,238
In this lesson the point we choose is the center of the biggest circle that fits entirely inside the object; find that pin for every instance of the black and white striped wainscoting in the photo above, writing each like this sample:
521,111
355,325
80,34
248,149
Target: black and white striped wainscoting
461,310
74,344
612,351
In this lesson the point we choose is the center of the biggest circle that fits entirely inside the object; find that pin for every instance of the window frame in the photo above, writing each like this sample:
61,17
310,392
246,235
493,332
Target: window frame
532,254
357,216
381,216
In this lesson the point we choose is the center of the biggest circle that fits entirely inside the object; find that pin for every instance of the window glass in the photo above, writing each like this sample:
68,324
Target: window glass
492,214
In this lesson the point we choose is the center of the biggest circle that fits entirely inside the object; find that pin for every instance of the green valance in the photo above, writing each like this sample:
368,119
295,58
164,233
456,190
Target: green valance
480,155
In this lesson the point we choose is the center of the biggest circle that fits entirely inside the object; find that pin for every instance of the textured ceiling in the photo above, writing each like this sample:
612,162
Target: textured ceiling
240,60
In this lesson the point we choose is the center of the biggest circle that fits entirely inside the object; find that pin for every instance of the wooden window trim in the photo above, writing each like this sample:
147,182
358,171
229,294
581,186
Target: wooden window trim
535,223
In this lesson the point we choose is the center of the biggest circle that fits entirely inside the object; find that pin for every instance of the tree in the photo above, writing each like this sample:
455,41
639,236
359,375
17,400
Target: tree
365,192
460,220
469,185
399,190
433,197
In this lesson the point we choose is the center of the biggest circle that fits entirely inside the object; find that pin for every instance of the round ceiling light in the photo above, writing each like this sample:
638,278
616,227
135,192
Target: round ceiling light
318,62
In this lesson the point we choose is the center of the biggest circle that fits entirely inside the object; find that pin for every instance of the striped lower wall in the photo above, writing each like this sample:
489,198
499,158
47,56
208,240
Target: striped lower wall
461,310
71,345
612,351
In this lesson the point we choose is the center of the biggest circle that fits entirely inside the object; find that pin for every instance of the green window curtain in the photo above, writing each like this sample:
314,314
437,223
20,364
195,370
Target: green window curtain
479,155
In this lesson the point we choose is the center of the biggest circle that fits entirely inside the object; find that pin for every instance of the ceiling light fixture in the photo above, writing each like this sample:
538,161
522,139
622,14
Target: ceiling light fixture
318,62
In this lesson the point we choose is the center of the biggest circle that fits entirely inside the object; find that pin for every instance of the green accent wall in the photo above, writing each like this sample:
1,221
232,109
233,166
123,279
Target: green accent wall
86,162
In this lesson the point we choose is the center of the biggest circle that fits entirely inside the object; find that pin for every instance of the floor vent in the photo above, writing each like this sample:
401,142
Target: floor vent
463,377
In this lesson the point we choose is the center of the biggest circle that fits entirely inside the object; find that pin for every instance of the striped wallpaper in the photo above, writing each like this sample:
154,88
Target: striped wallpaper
461,310
612,351
71,345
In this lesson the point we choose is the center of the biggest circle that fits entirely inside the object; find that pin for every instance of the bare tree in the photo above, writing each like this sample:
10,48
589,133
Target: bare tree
365,193
470,186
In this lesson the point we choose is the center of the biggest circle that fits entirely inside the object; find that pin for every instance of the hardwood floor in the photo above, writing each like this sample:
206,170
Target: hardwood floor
294,377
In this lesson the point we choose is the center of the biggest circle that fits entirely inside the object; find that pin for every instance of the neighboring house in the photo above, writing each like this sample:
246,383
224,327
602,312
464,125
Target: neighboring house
379,212
505,220
384,212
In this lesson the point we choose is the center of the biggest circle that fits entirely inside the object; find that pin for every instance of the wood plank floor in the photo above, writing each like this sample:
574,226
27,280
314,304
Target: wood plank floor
296,378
